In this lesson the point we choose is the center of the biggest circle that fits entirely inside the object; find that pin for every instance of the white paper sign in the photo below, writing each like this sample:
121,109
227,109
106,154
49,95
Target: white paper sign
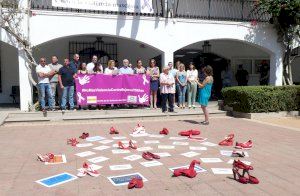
141,6
211,160
151,163
165,147
178,138
156,136
119,137
197,168
98,159
120,151
208,144
139,135
133,157
120,167
84,145
146,148
85,154
198,148
106,141
190,154
181,143
101,147
163,154
151,142
95,138
221,170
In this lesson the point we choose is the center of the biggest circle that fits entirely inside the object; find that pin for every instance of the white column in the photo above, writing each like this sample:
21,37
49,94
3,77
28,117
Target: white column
167,57
276,69
25,85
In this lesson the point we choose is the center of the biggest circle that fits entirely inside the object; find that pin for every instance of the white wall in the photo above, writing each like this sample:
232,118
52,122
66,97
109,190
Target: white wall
9,71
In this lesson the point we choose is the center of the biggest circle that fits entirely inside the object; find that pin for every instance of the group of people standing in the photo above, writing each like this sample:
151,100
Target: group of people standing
55,77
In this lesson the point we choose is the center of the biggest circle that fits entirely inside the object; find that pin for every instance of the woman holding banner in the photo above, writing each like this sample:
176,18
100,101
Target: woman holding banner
154,77
111,68
139,67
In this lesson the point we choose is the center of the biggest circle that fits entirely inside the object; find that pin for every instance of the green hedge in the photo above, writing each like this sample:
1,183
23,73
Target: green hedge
252,99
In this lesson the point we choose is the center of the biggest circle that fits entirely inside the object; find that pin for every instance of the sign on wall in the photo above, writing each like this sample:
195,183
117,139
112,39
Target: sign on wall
138,6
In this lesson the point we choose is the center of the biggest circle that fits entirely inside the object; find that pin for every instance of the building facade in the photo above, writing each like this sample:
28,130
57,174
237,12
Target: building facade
174,30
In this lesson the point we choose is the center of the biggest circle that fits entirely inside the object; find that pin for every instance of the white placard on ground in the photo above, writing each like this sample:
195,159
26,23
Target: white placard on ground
98,159
163,154
85,154
105,141
84,145
120,151
165,147
198,139
211,160
101,147
181,143
151,163
115,145
228,153
139,135
178,138
197,168
198,148
124,179
119,138
151,142
133,157
221,170
246,162
190,154
146,148
156,136
94,138
208,144
120,167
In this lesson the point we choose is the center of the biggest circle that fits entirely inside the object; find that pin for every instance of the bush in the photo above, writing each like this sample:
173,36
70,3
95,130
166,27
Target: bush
255,99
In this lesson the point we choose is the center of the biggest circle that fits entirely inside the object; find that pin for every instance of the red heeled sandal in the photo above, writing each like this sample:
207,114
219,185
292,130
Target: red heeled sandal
241,178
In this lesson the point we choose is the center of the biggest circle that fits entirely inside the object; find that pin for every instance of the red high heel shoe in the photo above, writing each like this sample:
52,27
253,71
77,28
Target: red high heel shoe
241,178
240,165
228,140
135,183
131,145
112,130
165,131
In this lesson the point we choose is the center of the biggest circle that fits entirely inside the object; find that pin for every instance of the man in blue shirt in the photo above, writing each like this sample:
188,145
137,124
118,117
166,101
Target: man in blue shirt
125,69
75,63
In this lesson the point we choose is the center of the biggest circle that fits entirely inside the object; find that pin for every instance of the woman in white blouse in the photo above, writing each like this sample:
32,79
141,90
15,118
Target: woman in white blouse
111,69
192,77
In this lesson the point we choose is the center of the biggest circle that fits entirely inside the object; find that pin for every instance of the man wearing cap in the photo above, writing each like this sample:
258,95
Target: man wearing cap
167,89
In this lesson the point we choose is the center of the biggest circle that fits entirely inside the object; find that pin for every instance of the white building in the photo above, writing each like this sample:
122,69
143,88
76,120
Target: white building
119,34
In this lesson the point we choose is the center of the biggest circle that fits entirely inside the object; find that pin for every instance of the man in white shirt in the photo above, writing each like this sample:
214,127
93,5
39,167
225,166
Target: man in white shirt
44,72
125,69
167,89
173,72
91,65
55,66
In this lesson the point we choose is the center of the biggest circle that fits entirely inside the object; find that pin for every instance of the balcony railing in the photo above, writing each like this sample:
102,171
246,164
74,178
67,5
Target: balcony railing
226,10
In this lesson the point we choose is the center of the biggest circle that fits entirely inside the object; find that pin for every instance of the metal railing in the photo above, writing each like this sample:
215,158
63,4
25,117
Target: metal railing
226,10
158,7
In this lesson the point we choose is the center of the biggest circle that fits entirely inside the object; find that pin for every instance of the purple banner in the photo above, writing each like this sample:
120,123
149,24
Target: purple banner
94,89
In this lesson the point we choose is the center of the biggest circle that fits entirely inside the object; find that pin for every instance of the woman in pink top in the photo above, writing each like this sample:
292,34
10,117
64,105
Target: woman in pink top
167,89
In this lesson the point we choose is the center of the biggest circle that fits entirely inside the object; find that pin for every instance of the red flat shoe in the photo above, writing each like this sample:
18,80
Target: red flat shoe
195,132
240,165
241,178
154,156
189,132
247,145
226,143
112,130
165,131
132,145
84,135
121,146
139,183
147,156
132,183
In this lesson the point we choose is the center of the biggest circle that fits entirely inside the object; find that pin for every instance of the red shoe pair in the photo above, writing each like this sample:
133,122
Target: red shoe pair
135,183
228,140
189,132
165,131
190,172
84,135
246,145
72,141
112,130
150,156
242,179
45,158
131,145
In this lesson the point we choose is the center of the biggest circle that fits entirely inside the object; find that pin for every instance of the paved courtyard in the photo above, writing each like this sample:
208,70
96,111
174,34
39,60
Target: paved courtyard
275,158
